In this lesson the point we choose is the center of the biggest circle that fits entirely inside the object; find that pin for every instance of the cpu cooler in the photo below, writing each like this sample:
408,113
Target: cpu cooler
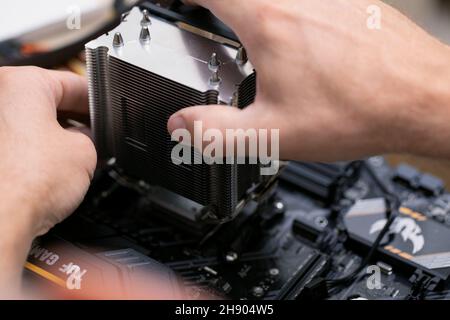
139,75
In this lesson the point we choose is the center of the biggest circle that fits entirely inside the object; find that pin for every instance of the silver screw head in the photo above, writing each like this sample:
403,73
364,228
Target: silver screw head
241,56
258,291
118,40
214,62
215,78
146,21
279,206
145,36
274,272
231,256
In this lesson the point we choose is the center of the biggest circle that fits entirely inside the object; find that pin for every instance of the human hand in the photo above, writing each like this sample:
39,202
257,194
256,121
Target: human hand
335,88
45,169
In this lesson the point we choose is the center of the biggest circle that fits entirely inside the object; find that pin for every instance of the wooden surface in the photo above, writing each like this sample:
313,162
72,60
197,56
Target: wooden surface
439,168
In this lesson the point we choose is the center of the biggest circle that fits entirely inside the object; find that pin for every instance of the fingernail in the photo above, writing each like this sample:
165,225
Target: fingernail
176,122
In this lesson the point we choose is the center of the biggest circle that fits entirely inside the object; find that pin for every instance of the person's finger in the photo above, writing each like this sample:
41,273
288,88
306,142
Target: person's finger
242,124
234,13
71,91
80,128
82,141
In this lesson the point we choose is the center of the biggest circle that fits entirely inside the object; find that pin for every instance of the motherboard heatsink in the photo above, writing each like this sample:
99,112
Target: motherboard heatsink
140,74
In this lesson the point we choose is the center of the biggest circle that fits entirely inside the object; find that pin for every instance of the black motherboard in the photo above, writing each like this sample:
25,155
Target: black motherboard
323,231
318,226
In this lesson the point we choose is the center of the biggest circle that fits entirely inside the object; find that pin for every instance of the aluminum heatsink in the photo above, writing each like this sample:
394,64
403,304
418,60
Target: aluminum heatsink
139,75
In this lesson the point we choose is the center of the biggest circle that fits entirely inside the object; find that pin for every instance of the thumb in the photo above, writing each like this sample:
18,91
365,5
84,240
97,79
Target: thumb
215,117
243,124
234,13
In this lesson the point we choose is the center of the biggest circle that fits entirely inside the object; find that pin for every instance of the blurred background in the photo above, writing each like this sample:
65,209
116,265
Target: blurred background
50,33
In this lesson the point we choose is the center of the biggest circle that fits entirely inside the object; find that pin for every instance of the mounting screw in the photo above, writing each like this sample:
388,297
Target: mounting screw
274,272
214,62
279,206
215,78
124,16
241,57
321,222
231,256
145,37
146,21
118,40
258,291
